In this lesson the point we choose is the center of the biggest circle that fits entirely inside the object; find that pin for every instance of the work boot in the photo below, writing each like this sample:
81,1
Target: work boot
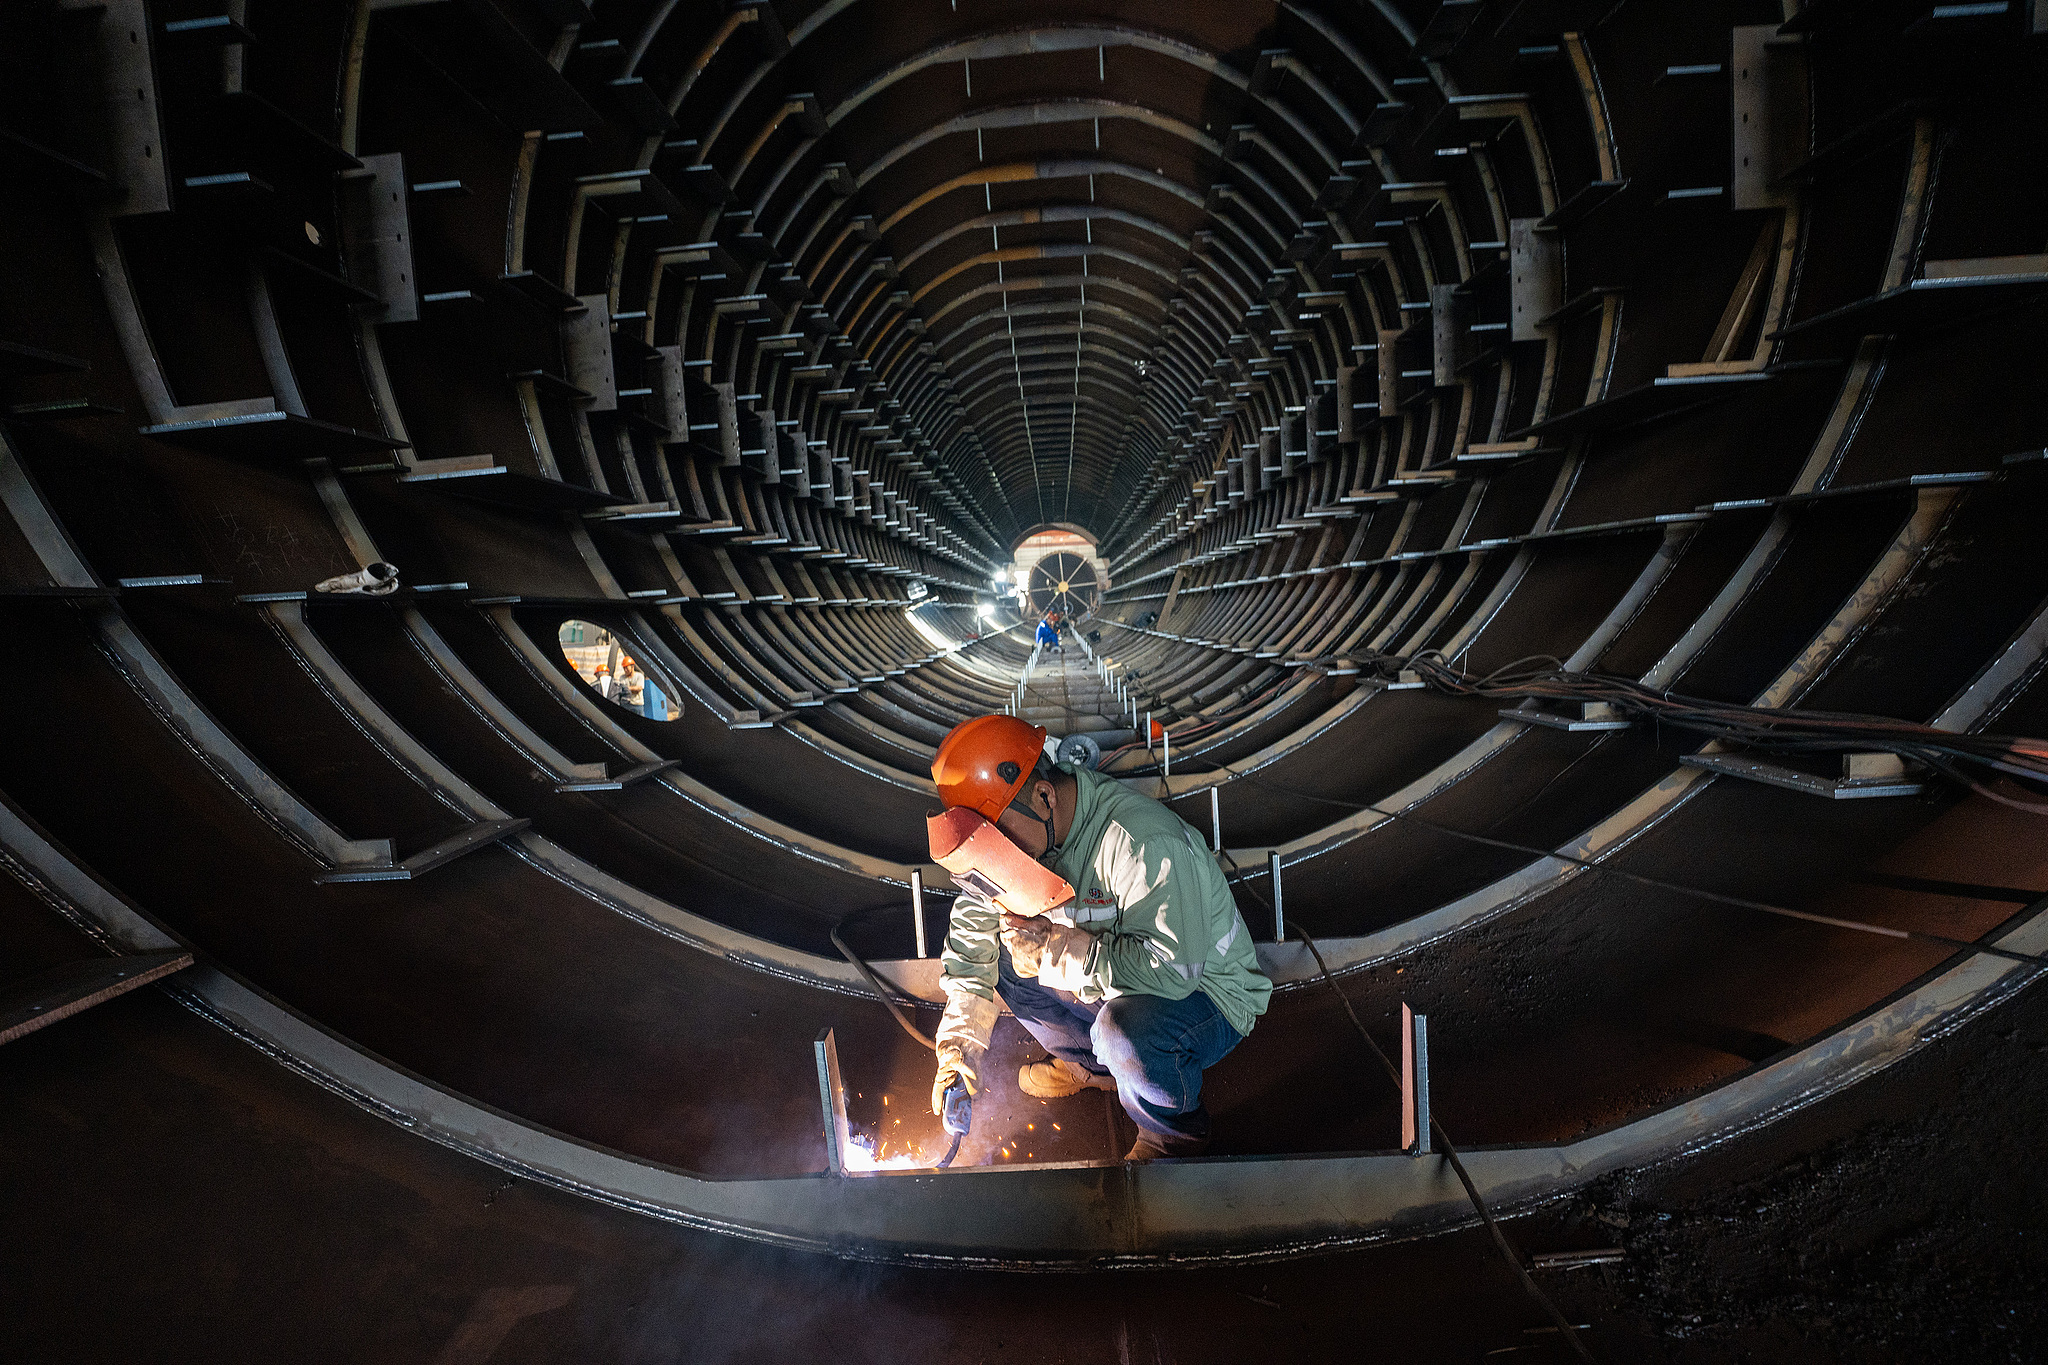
1056,1078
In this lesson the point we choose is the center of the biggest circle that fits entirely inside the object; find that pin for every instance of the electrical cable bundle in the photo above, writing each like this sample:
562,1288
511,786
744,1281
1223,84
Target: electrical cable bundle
1543,678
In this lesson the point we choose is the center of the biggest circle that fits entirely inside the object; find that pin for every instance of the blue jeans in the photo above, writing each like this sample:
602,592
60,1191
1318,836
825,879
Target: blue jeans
1156,1049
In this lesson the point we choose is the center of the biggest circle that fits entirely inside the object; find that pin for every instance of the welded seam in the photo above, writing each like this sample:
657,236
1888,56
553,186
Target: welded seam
1898,1028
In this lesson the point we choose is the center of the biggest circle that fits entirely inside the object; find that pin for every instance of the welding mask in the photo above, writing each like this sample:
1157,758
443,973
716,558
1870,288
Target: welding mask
982,858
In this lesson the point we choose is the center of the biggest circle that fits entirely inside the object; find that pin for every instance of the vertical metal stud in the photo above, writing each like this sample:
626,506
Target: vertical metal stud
1422,1145
832,1099
917,908
1414,1082
1215,823
1279,914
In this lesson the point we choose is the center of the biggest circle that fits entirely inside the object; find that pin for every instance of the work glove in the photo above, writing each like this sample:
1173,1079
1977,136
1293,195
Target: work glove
1065,958
955,1064
1025,938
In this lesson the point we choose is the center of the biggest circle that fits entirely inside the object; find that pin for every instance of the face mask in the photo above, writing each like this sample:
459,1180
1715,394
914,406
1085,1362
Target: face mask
1052,842
981,858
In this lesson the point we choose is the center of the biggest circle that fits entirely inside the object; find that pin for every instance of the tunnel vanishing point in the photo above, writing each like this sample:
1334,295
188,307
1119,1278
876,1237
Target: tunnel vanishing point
500,500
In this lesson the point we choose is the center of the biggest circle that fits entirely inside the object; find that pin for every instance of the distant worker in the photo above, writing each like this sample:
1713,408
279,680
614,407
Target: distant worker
1116,942
604,681
1048,636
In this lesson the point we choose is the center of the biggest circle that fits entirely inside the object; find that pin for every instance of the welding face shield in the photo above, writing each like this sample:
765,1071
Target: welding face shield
980,857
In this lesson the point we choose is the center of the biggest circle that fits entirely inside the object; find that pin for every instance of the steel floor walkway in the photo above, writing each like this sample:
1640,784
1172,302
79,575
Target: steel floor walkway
1067,696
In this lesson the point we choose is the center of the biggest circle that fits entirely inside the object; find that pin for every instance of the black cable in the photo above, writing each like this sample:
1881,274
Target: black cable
1545,678
1500,1239
1741,902
1797,731
876,982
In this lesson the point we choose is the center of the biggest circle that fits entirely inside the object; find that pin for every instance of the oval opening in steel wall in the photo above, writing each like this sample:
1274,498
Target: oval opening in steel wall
600,659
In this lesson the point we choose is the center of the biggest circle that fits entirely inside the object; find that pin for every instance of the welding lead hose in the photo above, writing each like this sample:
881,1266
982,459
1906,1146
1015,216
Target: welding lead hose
1959,945
1500,1239
1771,729
880,988
1457,1164
953,1148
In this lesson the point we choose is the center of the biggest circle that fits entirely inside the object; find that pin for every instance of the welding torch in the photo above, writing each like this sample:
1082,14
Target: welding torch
959,1116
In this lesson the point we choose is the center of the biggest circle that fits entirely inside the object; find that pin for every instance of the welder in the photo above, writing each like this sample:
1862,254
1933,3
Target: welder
1129,963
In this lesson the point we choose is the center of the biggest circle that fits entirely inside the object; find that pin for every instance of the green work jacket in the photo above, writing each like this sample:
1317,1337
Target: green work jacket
1152,915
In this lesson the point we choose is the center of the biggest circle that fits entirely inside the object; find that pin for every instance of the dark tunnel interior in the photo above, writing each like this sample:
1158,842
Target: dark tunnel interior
501,500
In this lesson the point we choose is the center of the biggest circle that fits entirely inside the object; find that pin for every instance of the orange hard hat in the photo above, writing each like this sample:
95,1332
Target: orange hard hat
983,763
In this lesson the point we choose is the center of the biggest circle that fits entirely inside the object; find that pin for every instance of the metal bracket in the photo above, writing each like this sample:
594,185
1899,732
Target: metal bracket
1414,1082
832,1099
1859,780
592,777
127,123
377,233
1769,110
1451,343
479,835
1535,277
1593,715
587,351
61,992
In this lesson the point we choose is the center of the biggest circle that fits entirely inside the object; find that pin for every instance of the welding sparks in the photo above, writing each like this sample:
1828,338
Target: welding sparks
863,1154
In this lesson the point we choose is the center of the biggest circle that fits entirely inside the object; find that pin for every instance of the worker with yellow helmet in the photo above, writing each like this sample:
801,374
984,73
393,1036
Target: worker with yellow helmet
1138,980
